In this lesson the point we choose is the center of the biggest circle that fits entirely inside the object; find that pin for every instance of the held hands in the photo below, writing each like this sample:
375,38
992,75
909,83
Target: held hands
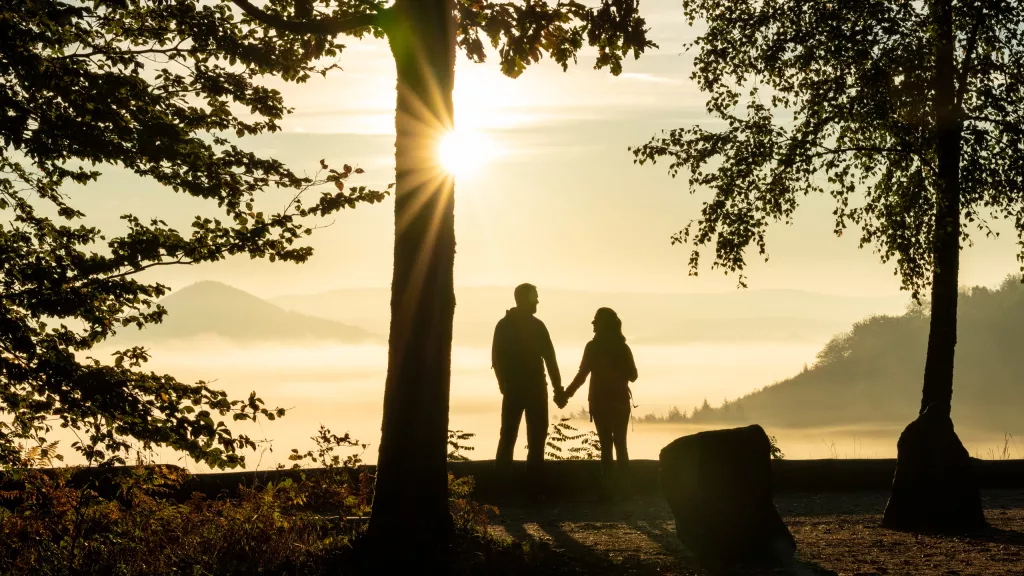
562,398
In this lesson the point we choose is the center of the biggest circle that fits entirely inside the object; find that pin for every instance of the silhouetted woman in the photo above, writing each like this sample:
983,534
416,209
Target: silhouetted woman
609,362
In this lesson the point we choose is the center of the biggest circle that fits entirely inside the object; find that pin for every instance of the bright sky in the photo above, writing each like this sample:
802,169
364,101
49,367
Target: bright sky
552,196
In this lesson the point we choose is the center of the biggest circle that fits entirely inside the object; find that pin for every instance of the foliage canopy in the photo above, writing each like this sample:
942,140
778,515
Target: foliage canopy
838,98
164,90
521,32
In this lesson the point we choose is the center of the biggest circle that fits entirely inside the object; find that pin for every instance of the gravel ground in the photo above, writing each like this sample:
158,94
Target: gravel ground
835,533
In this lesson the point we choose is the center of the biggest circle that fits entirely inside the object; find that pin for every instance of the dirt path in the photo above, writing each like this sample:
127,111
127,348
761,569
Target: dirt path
835,534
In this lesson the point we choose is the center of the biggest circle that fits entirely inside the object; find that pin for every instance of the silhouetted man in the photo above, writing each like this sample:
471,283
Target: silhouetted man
521,347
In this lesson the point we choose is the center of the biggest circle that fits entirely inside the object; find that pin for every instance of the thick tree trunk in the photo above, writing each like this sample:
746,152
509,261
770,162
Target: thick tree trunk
410,506
934,488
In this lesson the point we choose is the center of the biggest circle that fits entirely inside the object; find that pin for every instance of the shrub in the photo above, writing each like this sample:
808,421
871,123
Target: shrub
307,526
57,529
456,445
565,442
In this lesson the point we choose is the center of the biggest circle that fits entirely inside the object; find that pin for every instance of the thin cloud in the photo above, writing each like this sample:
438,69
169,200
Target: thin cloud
645,77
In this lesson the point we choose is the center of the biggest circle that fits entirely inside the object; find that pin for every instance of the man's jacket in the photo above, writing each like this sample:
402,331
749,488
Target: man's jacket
521,343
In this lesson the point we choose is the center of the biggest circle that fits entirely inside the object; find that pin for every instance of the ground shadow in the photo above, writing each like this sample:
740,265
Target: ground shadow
631,517
652,507
584,558
649,517
664,536
994,535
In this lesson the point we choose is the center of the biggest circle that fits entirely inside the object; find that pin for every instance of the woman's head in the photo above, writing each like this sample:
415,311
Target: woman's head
607,323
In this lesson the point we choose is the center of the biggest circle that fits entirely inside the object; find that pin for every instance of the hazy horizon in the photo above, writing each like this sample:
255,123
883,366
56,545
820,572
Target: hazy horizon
341,387
340,384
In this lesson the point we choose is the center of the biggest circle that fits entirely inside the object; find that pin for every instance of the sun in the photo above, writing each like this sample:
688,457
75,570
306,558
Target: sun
463,153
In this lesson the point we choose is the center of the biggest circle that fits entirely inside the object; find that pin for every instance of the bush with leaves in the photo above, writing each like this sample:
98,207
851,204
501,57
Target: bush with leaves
54,528
338,485
565,442
306,526
467,514
774,450
456,446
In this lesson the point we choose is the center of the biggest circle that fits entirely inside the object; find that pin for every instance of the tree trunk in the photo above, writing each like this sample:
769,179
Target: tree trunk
934,488
938,368
410,505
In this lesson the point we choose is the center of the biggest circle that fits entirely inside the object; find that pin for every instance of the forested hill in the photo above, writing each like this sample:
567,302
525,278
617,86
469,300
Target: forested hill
873,373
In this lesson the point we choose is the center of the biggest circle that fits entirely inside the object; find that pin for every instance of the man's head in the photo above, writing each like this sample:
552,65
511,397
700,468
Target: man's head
526,298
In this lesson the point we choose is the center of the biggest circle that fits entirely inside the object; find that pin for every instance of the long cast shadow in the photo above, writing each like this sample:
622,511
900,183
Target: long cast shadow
666,539
990,535
581,554
658,530
650,516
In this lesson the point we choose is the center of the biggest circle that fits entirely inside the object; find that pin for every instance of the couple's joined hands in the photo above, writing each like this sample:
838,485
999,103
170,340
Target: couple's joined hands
562,398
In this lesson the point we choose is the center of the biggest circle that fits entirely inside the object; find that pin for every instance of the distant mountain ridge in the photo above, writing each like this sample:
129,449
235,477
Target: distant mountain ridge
215,309
647,317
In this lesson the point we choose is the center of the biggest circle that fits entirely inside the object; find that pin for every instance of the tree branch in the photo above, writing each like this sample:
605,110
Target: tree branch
1009,125
77,281
121,53
824,151
318,26
179,260
968,61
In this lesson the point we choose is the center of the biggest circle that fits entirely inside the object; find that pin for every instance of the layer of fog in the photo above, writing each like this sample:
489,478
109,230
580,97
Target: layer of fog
341,387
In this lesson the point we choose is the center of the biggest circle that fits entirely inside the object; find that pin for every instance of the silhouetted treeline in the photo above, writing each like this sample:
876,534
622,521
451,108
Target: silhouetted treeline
674,415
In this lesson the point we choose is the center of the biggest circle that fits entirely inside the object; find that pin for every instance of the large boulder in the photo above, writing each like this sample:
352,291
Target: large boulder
934,489
719,486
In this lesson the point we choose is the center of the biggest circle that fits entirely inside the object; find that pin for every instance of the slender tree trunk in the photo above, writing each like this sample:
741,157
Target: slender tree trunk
938,369
934,489
410,505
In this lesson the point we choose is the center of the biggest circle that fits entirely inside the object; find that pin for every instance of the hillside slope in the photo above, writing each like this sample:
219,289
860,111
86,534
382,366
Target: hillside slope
873,373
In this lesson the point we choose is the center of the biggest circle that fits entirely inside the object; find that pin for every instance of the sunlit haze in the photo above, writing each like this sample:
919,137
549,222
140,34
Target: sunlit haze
464,154
548,193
